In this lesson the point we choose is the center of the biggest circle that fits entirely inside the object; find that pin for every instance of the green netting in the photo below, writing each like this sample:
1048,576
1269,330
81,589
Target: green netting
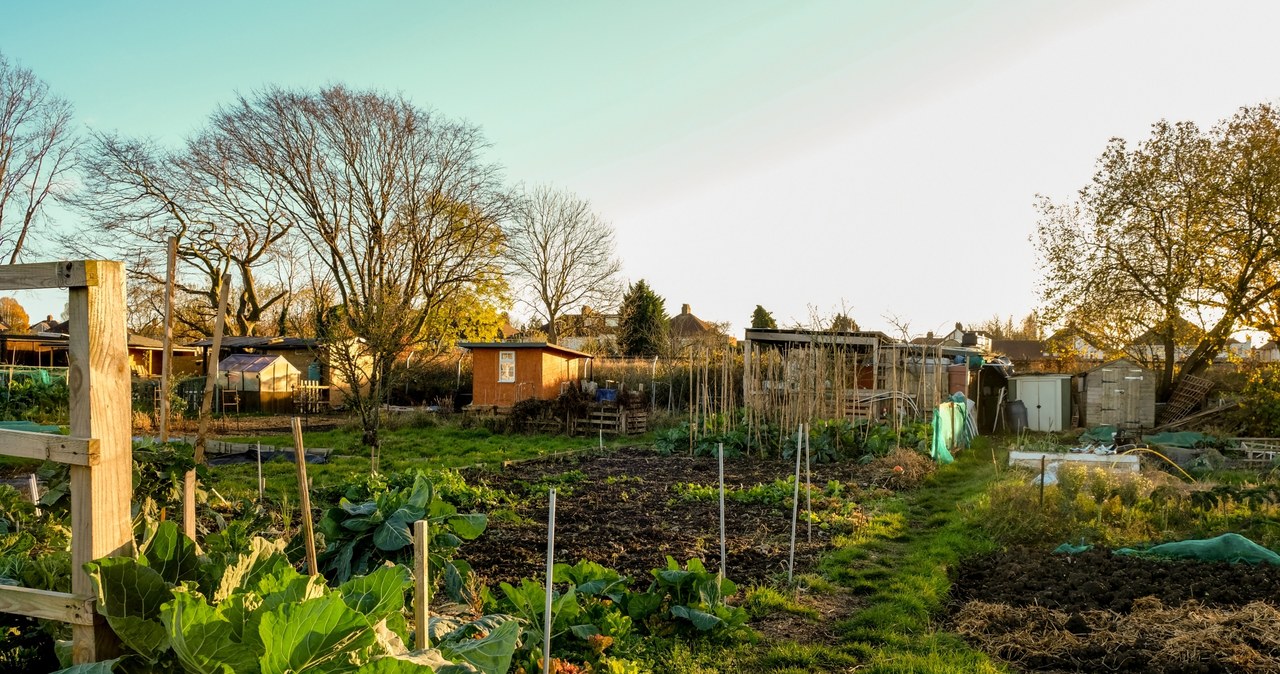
1232,548
1069,549
1188,439
28,426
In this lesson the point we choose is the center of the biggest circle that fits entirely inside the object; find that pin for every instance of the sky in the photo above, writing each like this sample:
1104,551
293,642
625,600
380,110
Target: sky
877,158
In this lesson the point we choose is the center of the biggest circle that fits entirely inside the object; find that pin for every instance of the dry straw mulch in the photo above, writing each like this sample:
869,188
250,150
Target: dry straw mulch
1151,638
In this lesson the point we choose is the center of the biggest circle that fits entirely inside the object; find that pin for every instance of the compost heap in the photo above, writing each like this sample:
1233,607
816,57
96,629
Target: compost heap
1099,611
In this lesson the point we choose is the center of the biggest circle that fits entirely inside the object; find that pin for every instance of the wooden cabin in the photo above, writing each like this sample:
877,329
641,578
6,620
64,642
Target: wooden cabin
504,373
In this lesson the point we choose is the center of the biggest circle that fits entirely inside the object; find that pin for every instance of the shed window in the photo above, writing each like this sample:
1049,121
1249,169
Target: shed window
506,367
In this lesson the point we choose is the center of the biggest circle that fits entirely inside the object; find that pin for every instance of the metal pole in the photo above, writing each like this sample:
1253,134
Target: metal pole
546,611
795,508
1042,480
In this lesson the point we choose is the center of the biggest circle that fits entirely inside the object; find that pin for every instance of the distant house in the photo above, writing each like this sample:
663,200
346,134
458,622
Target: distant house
504,373
1073,344
685,328
1268,353
589,330
930,340
1027,355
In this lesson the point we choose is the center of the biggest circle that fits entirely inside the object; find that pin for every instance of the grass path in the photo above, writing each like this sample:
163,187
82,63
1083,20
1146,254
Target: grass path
898,568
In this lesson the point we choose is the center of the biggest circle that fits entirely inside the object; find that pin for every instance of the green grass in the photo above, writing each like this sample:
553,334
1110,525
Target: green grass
898,567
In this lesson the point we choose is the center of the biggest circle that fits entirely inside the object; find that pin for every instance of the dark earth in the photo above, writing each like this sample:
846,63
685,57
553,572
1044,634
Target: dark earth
1097,579
625,515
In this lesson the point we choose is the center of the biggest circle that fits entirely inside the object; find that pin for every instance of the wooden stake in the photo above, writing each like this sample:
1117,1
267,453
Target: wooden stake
722,536
422,586
551,557
34,488
166,365
211,378
304,492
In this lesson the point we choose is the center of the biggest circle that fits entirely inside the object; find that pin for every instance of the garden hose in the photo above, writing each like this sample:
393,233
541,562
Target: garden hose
1171,463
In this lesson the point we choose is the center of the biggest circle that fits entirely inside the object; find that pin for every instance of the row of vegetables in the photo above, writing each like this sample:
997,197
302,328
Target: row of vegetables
239,604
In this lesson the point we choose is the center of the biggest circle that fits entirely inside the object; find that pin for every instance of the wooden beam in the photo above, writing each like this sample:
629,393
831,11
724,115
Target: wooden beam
74,274
60,606
98,379
47,447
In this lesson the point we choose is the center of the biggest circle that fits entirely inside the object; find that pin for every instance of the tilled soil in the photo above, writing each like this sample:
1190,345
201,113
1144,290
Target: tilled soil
1100,612
625,515
1097,579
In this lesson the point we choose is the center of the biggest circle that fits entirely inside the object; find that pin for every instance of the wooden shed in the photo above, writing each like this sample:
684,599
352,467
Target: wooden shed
1119,393
258,383
504,373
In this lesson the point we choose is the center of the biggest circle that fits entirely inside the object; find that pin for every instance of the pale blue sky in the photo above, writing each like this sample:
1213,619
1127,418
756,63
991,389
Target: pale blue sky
883,156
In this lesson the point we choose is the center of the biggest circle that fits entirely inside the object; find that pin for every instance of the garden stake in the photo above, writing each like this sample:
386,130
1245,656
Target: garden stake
35,495
421,588
808,488
1042,480
262,484
551,552
795,509
304,490
722,545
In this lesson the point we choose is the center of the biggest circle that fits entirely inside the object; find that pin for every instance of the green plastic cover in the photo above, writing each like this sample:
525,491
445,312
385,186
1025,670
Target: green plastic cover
1069,549
1232,548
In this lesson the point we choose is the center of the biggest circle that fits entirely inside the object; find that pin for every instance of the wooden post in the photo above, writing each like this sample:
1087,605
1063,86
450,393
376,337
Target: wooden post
1042,466
211,378
722,537
166,365
421,586
98,379
304,493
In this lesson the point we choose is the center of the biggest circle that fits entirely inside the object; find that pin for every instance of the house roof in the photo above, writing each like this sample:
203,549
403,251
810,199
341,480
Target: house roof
685,324
248,362
1019,349
151,344
509,346
254,342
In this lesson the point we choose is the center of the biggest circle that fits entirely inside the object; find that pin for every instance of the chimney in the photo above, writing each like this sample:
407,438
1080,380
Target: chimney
49,318
684,309
929,335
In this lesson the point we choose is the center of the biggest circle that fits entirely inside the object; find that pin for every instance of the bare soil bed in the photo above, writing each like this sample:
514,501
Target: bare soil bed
626,515
1100,612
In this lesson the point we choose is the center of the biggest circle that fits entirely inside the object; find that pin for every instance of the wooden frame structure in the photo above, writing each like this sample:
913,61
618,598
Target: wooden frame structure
99,450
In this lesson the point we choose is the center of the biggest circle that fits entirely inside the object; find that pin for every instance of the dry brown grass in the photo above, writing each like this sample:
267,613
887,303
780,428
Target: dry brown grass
1164,638
901,469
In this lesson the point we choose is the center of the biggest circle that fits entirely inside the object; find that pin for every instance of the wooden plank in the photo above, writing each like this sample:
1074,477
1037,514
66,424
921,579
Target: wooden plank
47,447
60,606
73,274
98,379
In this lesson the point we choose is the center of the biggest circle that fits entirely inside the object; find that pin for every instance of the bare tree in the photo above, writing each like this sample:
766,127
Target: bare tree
562,254
37,149
137,195
396,205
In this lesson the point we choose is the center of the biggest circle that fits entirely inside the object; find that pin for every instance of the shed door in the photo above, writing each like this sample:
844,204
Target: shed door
1043,398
